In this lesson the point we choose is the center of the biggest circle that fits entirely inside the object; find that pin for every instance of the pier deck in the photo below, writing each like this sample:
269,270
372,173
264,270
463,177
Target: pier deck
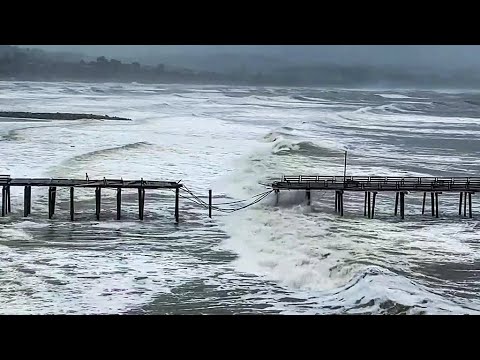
103,183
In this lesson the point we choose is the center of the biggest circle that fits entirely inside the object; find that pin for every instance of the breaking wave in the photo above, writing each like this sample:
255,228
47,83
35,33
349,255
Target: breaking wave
283,145
94,155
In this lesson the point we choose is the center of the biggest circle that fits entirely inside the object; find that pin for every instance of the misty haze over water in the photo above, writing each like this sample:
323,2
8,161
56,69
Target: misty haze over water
210,117
445,57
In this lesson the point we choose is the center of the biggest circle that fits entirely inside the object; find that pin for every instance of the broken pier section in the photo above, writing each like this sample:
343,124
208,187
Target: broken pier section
27,183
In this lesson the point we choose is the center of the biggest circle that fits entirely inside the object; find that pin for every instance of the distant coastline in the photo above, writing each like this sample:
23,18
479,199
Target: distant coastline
18,64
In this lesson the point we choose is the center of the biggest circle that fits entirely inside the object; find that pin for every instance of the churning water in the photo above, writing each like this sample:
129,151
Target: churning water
290,258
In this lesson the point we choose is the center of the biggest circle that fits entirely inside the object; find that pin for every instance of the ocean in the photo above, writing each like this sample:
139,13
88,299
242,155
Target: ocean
288,258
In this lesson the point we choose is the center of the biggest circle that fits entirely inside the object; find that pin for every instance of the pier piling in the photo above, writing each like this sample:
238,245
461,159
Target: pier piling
365,205
98,195
141,203
432,203
396,203
423,203
436,204
470,205
210,203
336,202
369,206
341,202
27,200
460,205
4,199
307,195
51,201
119,203
54,194
373,203
402,205
9,201
465,204
177,193
72,204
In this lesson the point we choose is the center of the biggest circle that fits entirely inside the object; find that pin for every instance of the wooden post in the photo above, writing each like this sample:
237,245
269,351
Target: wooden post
277,193
210,203
308,195
470,205
341,202
423,204
432,201
177,193
396,203
72,204
369,206
29,199
141,203
465,204
336,200
119,202
460,205
25,201
436,204
402,205
9,201
50,202
54,197
97,202
4,200
373,203
365,205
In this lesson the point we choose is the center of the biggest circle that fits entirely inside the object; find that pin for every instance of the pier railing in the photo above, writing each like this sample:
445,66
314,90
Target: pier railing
385,179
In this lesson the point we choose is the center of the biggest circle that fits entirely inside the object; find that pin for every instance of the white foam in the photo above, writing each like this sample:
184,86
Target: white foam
394,96
209,140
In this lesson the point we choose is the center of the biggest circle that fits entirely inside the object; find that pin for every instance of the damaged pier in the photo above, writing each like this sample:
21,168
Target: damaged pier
374,185
27,183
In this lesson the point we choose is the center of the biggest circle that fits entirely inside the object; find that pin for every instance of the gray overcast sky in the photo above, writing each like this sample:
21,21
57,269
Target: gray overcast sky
434,56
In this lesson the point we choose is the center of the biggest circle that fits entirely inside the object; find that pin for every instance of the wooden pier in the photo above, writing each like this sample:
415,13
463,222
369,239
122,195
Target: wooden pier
373,185
6,183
